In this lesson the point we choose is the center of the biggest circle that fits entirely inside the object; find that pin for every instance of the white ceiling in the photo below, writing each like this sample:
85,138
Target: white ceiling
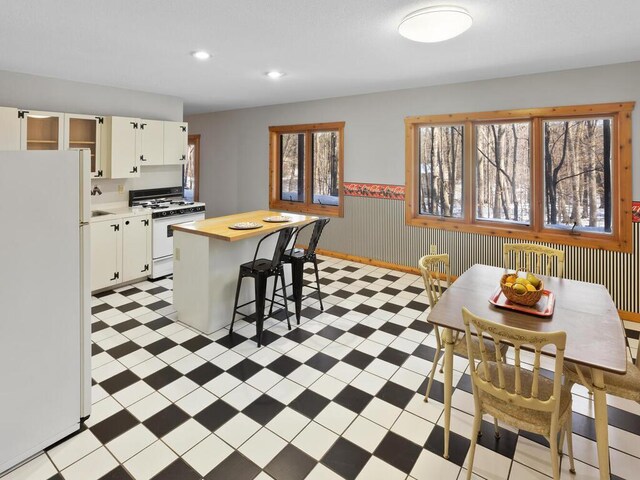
328,48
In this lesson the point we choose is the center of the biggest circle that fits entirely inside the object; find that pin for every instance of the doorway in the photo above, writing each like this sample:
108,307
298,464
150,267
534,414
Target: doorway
191,170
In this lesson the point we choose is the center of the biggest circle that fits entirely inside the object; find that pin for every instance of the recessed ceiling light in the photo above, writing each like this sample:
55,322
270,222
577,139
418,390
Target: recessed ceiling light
274,74
201,55
435,24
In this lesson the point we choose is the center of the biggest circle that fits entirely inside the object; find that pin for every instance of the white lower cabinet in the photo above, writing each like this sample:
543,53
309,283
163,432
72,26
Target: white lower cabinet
120,250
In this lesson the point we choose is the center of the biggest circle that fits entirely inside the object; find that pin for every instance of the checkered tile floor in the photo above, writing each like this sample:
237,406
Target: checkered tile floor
337,397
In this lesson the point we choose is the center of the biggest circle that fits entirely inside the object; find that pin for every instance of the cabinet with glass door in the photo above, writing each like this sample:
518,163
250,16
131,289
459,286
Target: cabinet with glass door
41,130
82,131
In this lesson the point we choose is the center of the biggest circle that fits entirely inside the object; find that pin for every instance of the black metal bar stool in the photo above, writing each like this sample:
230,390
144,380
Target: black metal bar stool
297,257
260,269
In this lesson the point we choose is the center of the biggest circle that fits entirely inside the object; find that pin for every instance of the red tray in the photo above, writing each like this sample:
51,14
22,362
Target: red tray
544,307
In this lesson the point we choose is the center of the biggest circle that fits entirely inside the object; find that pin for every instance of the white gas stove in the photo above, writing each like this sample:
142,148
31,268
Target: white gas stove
168,207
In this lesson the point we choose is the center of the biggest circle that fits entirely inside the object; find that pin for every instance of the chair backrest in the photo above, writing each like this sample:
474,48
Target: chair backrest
534,258
318,226
518,338
284,237
436,274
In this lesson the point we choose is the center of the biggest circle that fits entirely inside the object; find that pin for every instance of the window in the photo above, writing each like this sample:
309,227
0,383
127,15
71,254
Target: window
306,168
561,175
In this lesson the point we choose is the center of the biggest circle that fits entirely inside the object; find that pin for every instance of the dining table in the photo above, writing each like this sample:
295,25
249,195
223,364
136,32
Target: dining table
585,311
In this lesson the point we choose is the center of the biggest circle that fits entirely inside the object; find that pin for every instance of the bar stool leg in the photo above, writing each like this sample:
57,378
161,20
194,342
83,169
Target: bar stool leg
273,294
296,272
284,295
315,266
261,293
235,303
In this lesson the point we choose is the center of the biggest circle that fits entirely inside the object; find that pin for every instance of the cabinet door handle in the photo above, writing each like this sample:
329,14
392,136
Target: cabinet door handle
142,125
146,268
145,222
183,158
134,170
99,174
127,222
116,275
116,228
135,125
183,128
142,159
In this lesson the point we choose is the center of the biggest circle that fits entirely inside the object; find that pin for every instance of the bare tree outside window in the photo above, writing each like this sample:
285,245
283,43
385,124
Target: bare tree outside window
441,158
503,172
325,168
577,173
292,167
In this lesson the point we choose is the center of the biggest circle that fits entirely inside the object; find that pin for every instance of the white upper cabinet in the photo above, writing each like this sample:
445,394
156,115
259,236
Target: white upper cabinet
41,130
83,131
9,129
175,143
121,146
151,142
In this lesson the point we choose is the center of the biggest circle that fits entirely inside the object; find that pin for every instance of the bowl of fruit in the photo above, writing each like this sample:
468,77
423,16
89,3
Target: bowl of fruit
523,288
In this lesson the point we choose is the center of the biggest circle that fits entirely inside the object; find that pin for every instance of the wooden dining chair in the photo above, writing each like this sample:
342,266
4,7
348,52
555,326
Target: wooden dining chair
534,258
624,386
510,393
436,274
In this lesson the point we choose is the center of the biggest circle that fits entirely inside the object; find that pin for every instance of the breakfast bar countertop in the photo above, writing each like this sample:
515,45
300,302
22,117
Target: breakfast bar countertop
218,227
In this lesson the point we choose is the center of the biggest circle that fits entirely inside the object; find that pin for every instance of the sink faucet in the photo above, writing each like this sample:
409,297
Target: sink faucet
96,190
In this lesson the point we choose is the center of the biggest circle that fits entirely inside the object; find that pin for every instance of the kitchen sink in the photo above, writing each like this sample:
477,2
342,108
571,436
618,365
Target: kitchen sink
100,213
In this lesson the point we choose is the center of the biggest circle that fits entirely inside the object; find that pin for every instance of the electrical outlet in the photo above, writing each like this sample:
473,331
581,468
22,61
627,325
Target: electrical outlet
433,249
120,188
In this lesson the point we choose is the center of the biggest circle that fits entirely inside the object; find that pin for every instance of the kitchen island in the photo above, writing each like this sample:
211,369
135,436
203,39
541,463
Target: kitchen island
207,257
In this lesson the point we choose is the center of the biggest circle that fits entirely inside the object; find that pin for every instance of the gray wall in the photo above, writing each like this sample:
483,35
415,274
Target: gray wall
42,93
234,144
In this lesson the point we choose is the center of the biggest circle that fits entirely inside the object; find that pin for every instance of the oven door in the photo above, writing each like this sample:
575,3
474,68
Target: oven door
163,235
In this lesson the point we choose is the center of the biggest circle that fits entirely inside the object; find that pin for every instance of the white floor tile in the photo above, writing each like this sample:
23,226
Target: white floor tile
335,417
148,406
368,382
207,454
222,384
150,461
262,447
133,393
238,430
91,467
430,466
381,412
365,433
489,464
376,469
178,388
412,427
196,401
315,440
38,468
287,424
242,396
320,472
285,391
264,379
328,386
304,375
131,442
184,437
74,449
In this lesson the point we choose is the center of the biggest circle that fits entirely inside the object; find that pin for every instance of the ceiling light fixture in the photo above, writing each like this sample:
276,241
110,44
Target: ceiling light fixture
435,24
201,55
274,74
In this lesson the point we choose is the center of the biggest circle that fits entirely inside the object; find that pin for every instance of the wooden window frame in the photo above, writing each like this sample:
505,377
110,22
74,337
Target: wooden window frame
275,202
620,239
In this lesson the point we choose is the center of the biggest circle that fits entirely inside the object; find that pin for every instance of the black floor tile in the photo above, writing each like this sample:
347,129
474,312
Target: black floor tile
119,381
398,451
204,373
96,349
365,309
268,337
162,377
392,328
310,312
623,420
103,307
414,289
585,426
230,341
97,326
337,310
346,458
330,332
344,294
367,292
130,291
235,467
158,305
437,390
347,280
196,343
118,473
263,409
425,352
126,325
363,331
421,307
166,420
465,384
290,464
358,359
162,345
127,307
458,445
349,269
321,361
245,369
123,349
309,403
216,415
390,291
395,394
284,365
505,445
158,323
299,335
392,355
421,326
353,398
391,307
178,470
156,290
114,426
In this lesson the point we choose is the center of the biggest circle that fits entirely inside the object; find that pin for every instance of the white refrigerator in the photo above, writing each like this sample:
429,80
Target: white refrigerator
45,318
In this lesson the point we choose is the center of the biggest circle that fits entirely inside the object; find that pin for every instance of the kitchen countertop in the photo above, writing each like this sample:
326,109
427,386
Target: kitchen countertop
117,211
218,228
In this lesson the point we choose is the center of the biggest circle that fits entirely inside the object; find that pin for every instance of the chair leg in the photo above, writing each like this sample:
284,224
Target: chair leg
261,293
477,423
284,295
553,449
315,267
235,303
432,374
496,427
273,294
569,430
